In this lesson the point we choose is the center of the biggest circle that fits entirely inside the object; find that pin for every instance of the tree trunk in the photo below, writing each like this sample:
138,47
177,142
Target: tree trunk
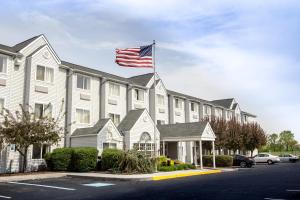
25,160
251,153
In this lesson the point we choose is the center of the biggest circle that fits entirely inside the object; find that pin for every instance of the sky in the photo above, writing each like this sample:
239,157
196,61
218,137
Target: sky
247,50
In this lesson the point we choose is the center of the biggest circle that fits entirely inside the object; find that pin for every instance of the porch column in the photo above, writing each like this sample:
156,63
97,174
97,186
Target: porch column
200,150
214,154
164,149
195,153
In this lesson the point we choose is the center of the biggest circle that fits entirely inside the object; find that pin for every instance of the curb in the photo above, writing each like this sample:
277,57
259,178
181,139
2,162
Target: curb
109,178
30,177
172,176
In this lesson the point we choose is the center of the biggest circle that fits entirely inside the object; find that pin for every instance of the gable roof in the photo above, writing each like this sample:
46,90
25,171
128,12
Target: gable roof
130,119
23,44
91,130
223,102
192,129
142,79
248,114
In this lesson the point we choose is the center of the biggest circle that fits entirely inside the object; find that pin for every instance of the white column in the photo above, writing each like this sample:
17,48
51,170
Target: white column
195,153
214,154
200,150
164,153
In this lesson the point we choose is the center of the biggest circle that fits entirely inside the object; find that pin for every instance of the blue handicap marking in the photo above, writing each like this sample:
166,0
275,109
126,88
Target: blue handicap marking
98,184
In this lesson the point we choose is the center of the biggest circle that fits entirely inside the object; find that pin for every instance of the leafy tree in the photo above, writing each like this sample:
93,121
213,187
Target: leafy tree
286,138
24,128
273,141
233,138
253,137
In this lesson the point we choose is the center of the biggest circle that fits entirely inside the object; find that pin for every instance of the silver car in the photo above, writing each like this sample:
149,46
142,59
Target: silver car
266,158
288,158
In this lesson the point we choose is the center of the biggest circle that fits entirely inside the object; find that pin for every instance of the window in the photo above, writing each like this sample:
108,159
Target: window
39,150
193,107
207,110
83,82
147,148
115,118
178,103
82,116
109,145
44,74
161,122
42,110
160,99
12,147
114,89
138,95
3,64
1,105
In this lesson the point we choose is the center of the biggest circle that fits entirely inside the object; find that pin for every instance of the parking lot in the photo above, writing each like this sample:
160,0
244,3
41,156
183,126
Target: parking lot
279,181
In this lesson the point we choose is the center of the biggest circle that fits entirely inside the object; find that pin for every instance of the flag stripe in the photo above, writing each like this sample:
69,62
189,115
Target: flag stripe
135,57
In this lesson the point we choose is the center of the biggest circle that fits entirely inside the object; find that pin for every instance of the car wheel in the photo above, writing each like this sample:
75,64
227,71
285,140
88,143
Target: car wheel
243,164
270,162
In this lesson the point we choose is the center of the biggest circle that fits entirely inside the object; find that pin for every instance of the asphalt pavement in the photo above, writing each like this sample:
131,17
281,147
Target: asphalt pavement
275,182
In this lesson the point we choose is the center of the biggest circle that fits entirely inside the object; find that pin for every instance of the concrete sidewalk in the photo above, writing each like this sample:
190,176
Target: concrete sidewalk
31,176
120,177
146,177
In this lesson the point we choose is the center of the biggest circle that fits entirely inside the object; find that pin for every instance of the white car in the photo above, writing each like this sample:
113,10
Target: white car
266,158
288,158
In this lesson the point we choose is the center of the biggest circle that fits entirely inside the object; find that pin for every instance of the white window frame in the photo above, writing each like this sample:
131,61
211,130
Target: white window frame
194,106
111,89
46,67
44,108
178,103
139,95
113,118
84,110
4,101
162,97
6,66
88,87
41,151
111,145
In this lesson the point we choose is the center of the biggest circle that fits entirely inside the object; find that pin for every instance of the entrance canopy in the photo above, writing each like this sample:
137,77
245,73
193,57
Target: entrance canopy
194,131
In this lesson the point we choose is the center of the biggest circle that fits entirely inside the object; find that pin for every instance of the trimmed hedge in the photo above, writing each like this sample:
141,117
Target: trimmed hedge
59,159
221,161
79,159
84,159
110,158
183,166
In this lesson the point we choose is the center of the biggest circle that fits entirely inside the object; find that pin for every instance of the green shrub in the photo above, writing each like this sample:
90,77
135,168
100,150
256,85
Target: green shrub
110,158
162,161
59,159
133,161
84,159
166,168
221,161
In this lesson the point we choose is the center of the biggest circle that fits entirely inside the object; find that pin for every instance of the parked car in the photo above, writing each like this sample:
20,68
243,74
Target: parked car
266,158
242,161
288,158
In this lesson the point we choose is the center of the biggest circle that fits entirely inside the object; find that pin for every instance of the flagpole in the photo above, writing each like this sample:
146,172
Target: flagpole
154,72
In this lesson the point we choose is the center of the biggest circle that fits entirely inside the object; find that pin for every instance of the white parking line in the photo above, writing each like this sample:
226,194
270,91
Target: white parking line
5,197
273,199
293,190
46,186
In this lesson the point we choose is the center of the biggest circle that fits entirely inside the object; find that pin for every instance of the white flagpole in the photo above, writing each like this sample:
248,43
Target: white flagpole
154,72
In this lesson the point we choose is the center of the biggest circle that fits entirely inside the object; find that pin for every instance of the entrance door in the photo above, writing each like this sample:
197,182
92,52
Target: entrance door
172,150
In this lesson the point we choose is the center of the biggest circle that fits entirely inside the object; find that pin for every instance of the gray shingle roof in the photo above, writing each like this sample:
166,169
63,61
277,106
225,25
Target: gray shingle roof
249,114
142,79
177,94
16,48
223,102
23,44
182,129
130,119
91,130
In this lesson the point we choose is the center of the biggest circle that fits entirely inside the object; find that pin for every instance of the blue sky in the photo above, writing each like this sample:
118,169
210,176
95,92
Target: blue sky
248,50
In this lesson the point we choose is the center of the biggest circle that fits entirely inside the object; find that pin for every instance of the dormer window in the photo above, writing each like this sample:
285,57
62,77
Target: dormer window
160,99
138,95
3,64
83,82
45,74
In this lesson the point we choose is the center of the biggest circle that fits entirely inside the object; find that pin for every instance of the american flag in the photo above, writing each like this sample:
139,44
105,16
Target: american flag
140,57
